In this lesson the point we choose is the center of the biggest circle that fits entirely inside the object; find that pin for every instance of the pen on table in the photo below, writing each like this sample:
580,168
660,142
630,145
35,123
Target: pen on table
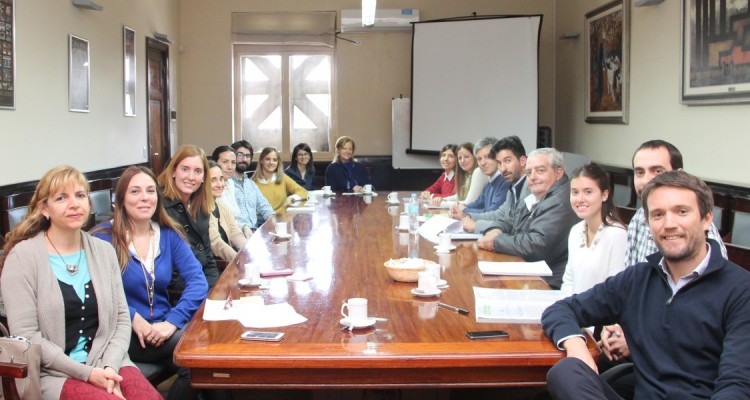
452,308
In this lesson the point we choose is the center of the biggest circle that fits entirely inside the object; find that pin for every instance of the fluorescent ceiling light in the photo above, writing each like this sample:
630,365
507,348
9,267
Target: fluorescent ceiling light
368,12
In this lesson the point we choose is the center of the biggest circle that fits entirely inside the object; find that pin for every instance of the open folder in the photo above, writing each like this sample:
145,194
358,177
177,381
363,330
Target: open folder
439,224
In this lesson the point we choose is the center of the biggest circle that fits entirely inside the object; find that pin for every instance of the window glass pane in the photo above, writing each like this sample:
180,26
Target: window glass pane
261,100
310,100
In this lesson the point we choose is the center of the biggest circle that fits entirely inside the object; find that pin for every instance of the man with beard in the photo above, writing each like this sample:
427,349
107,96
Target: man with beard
254,209
685,310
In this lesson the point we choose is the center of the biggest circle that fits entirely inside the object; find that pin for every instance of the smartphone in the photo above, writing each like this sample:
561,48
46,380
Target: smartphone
262,336
487,334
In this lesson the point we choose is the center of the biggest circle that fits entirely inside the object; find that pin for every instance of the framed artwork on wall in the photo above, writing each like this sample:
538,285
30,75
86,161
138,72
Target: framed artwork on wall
128,50
607,32
7,55
715,52
79,74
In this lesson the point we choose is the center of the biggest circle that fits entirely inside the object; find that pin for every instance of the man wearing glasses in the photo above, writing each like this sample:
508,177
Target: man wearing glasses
254,208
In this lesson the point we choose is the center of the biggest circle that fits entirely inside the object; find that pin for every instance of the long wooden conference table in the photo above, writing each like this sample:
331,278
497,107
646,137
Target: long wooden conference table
343,246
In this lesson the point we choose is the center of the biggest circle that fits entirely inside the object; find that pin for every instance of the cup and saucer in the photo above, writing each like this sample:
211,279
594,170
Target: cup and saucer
424,293
357,323
281,235
442,284
444,249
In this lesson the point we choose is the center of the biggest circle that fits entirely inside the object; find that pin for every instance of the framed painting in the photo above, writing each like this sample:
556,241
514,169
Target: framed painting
7,55
607,33
128,50
79,74
715,52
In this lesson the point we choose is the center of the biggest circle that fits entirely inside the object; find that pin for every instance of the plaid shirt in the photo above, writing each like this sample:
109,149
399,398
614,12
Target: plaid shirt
641,243
251,202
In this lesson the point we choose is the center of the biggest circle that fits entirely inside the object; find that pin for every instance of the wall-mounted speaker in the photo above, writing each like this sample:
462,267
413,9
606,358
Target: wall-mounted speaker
543,137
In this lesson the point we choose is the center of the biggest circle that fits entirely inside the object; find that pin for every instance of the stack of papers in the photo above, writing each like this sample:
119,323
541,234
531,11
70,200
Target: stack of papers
537,268
509,305
252,315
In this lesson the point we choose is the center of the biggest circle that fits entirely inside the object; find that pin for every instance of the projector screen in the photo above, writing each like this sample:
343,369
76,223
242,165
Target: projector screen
474,77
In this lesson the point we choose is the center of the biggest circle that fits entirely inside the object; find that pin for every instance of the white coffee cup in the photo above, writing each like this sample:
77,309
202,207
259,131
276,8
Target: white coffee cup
367,189
357,308
312,197
445,241
252,273
403,221
393,197
434,269
281,228
327,190
426,282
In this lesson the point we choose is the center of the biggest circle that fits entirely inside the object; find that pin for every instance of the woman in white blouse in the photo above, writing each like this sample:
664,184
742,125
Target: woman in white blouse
596,245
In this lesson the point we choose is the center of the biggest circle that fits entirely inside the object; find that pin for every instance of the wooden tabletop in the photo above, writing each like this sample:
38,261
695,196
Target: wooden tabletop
343,246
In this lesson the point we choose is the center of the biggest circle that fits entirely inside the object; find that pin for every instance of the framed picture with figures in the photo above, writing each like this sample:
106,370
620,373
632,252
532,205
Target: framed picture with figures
607,78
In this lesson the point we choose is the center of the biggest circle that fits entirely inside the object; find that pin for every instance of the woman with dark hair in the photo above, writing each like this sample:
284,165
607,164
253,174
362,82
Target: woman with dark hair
596,245
446,183
301,168
226,236
344,174
189,202
149,248
279,189
63,291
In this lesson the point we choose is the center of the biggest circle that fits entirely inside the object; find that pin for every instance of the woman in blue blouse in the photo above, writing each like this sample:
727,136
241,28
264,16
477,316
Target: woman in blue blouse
344,174
301,169
149,247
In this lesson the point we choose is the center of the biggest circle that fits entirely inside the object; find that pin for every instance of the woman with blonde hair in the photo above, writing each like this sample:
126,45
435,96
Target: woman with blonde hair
469,184
62,289
223,230
189,202
279,189
344,174
150,247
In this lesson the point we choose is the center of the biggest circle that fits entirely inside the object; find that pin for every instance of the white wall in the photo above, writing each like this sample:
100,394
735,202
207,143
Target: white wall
368,76
714,140
41,133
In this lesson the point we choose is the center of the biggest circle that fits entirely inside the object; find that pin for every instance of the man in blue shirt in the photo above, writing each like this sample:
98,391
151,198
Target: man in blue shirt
254,209
494,192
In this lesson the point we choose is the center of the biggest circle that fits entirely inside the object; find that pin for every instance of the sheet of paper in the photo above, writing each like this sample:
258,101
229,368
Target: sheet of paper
252,314
509,305
438,224
536,268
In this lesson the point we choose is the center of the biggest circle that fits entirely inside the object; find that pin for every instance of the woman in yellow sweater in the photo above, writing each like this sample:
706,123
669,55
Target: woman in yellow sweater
279,189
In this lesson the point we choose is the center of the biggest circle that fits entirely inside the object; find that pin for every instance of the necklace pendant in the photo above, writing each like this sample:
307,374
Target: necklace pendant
72,269
152,313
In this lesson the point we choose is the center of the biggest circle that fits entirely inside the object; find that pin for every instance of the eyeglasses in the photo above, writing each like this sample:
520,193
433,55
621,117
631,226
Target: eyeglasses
303,155
244,155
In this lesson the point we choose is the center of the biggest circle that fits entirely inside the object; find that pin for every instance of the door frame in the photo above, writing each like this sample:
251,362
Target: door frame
165,151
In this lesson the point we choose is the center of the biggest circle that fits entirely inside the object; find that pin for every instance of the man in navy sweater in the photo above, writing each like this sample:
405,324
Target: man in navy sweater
685,311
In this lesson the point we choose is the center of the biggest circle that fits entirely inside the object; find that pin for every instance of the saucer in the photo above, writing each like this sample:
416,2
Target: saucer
392,203
358,324
420,293
442,250
442,284
402,228
287,236
311,203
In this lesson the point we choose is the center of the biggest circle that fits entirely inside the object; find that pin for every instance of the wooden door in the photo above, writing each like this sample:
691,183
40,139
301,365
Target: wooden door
157,92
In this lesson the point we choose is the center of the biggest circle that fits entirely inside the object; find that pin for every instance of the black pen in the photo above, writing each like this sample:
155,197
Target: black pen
452,308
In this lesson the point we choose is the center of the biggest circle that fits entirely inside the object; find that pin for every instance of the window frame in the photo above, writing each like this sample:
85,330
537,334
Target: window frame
285,51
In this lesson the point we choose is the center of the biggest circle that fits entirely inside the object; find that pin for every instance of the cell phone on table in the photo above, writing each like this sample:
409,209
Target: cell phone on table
262,336
487,334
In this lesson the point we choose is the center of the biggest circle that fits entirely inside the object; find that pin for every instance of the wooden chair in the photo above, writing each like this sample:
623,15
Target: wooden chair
622,189
722,213
739,255
9,372
740,228
626,214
